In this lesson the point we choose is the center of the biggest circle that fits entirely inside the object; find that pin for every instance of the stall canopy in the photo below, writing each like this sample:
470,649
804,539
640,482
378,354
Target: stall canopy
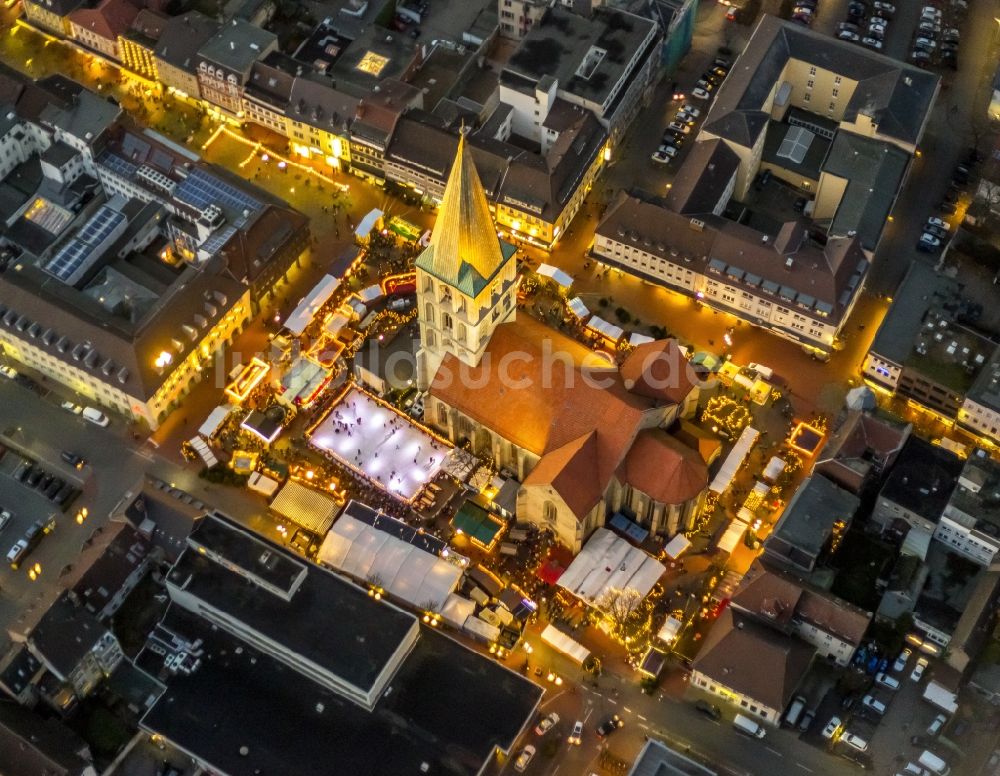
578,308
303,314
635,339
305,507
478,524
556,274
370,293
732,536
605,329
563,643
606,563
204,451
336,323
386,550
214,420
262,484
774,468
367,224
671,628
457,610
676,546
724,478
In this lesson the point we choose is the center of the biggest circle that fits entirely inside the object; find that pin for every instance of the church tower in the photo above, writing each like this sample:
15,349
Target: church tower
466,277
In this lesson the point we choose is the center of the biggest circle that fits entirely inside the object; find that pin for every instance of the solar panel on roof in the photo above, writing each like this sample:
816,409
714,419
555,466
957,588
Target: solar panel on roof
74,254
120,167
201,189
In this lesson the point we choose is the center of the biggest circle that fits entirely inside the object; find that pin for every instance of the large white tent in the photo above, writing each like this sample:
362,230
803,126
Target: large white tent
405,571
603,327
563,643
724,478
732,536
214,420
305,506
560,277
306,310
608,562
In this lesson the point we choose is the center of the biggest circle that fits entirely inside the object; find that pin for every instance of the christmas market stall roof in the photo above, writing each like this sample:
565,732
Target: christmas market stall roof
609,563
474,521
306,507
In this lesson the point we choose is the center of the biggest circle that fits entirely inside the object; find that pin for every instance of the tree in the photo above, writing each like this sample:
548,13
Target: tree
618,604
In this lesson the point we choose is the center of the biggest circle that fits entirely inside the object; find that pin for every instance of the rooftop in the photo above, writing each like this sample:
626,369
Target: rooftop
809,518
32,746
587,56
863,446
976,497
657,759
356,645
65,634
237,45
105,578
243,712
182,37
923,478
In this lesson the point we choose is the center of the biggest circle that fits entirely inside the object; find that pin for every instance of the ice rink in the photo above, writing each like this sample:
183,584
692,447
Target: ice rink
380,443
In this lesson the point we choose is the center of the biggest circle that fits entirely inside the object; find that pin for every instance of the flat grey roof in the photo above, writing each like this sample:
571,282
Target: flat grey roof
657,759
237,45
448,707
809,517
355,644
922,478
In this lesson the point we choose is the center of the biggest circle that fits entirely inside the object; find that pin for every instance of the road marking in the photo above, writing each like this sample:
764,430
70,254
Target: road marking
627,709
774,751
642,717
589,712
644,727
612,701
803,767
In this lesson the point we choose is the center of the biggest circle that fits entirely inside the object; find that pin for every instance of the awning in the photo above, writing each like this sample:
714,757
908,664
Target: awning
305,507
262,484
371,293
677,546
204,451
578,308
214,420
477,523
367,224
724,478
550,572
732,536
303,314
774,468
561,642
556,274
336,323
457,610
605,329
608,563
671,628
636,339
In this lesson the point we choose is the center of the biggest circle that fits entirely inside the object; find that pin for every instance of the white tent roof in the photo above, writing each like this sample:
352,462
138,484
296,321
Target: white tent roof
335,324
761,489
609,562
407,572
635,338
938,696
370,293
457,610
774,468
368,223
214,420
563,643
481,628
601,326
560,277
262,484
732,536
204,451
303,314
670,629
578,308
724,478
676,546
304,506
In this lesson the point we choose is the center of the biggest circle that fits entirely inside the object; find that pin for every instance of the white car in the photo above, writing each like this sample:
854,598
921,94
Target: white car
546,724
901,661
69,406
848,35
872,43
853,739
939,223
925,43
691,110
873,703
577,735
918,669
889,682
95,416
701,94
928,239
887,7
524,758
669,150
877,24
936,724
661,158
831,727
8,371
677,126
5,517
930,12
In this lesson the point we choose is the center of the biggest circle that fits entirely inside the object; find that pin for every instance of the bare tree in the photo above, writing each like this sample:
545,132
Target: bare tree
618,604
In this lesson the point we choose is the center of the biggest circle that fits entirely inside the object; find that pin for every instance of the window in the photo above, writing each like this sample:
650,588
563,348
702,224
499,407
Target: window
810,83
837,79
836,92
806,97
812,71
549,512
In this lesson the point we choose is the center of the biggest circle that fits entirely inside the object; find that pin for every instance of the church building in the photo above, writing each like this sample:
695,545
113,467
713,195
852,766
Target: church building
587,439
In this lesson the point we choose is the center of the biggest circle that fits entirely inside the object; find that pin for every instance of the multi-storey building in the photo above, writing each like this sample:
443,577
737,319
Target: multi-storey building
137,45
225,60
176,54
99,28
51,15
517,17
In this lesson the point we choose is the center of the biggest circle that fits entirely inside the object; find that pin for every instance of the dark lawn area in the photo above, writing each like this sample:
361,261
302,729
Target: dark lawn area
859,561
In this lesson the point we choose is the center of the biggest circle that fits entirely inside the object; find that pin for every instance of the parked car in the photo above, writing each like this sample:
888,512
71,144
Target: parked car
928,239
848,27
577,735
936,724
709,710
807,719
888,8
939,222
16,553
95,416
546,723
609,726
69,406
918,670
947,208
72,459
660,158
937,232
902,659
931,28
873,703
677,126
831,727
524,758
684,118
926,43
848,35
691,110
701,94
853,739
5,517
669,149
8,371
872,43
887,681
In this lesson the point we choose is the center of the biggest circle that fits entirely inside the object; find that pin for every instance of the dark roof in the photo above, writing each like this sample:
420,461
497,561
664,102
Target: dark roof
102,581
20,669
64,635
237,45
754,660
356,645
449,707
558,44
172,513
874,171
59,153
320,105
703,177
656,759
897,96
32,746
818,276
923,478
862,446
808,519
182,37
